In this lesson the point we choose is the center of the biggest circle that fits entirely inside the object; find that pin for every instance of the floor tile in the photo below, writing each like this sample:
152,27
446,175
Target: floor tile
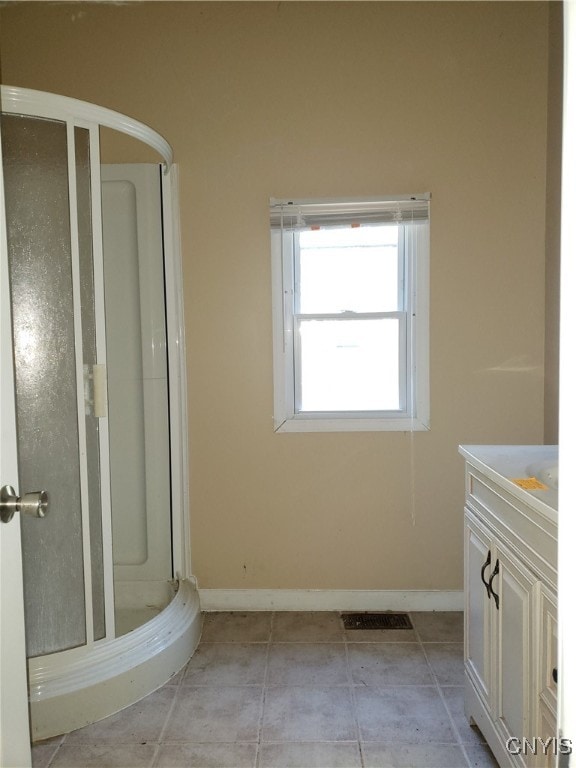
439,626
237,627
447,662
215,714
310,755
454,699
380,636
413,756
227,664
107,756
42,753
295,690
307,664
408,714
389,664
206,756
480,756
307,627
141,722
294,713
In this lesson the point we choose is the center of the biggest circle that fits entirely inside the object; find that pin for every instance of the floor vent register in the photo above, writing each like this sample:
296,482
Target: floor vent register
376,621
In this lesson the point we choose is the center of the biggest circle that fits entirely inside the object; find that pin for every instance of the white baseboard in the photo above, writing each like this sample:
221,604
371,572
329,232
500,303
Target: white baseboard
330,600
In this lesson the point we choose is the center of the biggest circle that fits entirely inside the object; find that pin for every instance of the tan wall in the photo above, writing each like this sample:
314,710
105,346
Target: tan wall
328,100
553,196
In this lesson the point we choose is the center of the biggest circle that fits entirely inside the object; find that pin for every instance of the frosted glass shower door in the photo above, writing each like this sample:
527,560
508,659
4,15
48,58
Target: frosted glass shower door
14,720
47,183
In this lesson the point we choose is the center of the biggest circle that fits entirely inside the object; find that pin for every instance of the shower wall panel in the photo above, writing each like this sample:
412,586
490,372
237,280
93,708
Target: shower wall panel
125,384
137,382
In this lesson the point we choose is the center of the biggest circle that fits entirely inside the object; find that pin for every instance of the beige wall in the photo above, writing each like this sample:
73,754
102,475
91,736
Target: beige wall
553,196
332,99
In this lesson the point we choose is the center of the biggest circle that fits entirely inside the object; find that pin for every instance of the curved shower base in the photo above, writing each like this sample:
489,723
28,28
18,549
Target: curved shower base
74,688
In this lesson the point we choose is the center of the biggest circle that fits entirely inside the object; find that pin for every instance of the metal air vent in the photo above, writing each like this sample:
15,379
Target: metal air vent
376,621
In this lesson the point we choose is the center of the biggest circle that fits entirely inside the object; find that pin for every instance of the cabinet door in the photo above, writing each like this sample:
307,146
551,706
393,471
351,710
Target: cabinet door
545,756
513,590
546,661
478,566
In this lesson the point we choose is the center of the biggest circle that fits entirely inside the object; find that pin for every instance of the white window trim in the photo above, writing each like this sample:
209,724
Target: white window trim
285,417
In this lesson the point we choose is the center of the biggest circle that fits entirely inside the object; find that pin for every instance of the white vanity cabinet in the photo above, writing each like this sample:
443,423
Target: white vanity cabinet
510,605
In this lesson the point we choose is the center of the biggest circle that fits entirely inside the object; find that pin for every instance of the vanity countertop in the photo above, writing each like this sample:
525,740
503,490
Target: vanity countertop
505,463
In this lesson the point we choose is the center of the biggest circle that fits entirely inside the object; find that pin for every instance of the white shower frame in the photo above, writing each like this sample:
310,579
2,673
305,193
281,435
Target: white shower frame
72,688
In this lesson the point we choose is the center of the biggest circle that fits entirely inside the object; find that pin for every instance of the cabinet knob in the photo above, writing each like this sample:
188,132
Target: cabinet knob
555,675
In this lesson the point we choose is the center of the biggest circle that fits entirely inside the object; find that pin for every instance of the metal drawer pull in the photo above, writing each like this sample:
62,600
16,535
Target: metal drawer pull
486,564
492,577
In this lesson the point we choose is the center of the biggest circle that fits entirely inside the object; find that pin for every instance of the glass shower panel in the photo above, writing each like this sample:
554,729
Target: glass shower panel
38,229
84,207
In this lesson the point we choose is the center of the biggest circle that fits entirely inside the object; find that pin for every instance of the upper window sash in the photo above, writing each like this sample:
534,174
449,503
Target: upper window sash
293,251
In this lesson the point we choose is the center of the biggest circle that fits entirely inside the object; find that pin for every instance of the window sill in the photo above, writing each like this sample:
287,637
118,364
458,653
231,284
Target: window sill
302,424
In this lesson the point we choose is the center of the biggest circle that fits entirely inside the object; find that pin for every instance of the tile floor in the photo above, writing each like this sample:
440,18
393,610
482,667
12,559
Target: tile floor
295,690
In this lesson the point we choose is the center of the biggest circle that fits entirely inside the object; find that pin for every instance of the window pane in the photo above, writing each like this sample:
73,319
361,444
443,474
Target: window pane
349,269
350,365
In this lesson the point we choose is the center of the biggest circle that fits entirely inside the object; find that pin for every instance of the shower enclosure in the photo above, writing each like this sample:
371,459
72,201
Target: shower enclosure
111,609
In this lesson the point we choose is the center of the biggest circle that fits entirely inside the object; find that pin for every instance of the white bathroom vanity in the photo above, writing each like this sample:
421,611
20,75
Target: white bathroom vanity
510,640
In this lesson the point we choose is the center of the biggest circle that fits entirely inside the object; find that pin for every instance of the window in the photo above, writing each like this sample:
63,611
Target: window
350,311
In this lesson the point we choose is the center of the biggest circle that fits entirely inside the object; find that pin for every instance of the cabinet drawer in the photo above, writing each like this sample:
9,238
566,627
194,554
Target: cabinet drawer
515,524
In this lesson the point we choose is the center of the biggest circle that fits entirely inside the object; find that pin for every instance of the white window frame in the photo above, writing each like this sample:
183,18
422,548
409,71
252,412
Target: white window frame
414,355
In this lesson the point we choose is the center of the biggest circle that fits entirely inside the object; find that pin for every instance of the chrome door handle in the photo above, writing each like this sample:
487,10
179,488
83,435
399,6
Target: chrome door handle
34,503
